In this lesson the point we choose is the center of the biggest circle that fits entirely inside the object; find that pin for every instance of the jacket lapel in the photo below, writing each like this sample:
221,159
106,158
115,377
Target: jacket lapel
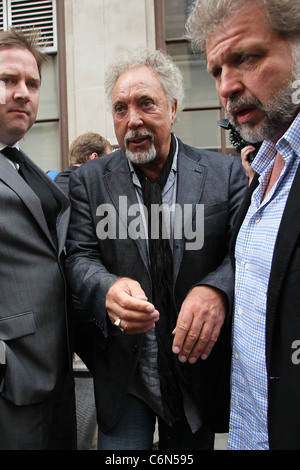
63,217
287,237
191,174
190,183
12,179
119,183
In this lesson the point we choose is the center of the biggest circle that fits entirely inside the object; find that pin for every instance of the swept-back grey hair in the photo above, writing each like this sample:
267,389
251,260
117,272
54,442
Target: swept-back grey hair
206,15
167,72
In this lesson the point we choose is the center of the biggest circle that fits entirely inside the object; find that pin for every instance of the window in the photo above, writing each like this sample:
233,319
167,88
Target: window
41,14
197,125
43,143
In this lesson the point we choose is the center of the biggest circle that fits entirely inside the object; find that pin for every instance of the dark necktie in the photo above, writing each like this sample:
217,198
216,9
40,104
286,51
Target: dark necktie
161,267
48,202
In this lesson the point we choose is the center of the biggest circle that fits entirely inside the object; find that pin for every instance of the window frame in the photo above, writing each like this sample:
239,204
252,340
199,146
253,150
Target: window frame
59,50
162,42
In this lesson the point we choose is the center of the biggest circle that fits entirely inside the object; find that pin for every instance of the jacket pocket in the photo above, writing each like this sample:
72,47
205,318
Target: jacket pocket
214,209
16,326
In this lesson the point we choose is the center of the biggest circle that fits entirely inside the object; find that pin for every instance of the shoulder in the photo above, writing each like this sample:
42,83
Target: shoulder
58,193
207,157
101,165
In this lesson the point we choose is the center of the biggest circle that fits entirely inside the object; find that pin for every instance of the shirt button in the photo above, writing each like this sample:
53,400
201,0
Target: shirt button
258,219
247,266
236,356
240,311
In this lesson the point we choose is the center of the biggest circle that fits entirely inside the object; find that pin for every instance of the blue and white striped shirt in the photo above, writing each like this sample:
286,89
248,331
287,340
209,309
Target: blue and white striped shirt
254,252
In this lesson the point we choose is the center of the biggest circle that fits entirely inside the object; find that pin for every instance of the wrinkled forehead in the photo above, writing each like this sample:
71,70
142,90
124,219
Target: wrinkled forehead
16,54
140,80
245,28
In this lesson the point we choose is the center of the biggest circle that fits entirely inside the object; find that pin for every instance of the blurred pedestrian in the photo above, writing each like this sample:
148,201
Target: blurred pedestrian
84,148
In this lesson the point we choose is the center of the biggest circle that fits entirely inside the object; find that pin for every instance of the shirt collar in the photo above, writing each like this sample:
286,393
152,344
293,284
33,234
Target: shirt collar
291,139
288,146
2,146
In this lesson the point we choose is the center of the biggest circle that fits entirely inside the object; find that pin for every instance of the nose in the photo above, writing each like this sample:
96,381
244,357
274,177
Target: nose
230,83
134,118
21,92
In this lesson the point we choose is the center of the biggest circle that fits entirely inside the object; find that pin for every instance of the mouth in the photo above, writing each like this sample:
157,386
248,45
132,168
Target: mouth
138,141
244,114
19,111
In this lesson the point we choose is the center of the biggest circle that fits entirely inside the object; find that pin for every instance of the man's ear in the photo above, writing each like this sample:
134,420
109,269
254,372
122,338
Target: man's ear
174,112
93,156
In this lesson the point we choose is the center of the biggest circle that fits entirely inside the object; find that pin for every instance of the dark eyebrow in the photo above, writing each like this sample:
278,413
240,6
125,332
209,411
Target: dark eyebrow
8,74
235,54
14,75
146,97
35,79
118,102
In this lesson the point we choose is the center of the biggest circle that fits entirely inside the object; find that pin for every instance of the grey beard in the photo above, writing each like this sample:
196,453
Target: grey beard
140,158
279,113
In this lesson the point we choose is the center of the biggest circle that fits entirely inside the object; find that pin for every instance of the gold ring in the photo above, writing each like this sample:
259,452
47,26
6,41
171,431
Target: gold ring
117,323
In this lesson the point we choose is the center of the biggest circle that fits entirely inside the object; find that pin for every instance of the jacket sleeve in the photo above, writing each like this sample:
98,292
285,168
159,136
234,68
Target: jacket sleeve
223,276
88,278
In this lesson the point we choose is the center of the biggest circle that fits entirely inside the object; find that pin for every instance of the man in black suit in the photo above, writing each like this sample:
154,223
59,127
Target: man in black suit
157,303
37,405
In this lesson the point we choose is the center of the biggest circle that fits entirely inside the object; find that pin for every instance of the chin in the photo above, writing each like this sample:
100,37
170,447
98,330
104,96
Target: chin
141,158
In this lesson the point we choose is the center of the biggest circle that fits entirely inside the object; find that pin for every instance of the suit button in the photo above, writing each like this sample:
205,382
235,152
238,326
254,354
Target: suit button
98,324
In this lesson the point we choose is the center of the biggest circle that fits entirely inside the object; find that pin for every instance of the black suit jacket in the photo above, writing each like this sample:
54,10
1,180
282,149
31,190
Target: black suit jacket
214,180
62,179
33,315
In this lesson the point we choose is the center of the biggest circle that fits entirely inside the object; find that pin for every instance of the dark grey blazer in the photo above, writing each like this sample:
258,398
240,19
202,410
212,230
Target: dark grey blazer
218,182
32,293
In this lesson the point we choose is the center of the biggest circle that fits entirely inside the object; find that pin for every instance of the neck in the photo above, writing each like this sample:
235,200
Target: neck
9,144
275,139
152,169
277,168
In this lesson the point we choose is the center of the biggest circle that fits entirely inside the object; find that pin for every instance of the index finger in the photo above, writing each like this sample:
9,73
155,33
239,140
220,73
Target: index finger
128,294
182,328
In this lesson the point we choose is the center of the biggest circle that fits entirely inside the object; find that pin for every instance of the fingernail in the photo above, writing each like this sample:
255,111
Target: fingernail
176,350
150,308
192,360
182,358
